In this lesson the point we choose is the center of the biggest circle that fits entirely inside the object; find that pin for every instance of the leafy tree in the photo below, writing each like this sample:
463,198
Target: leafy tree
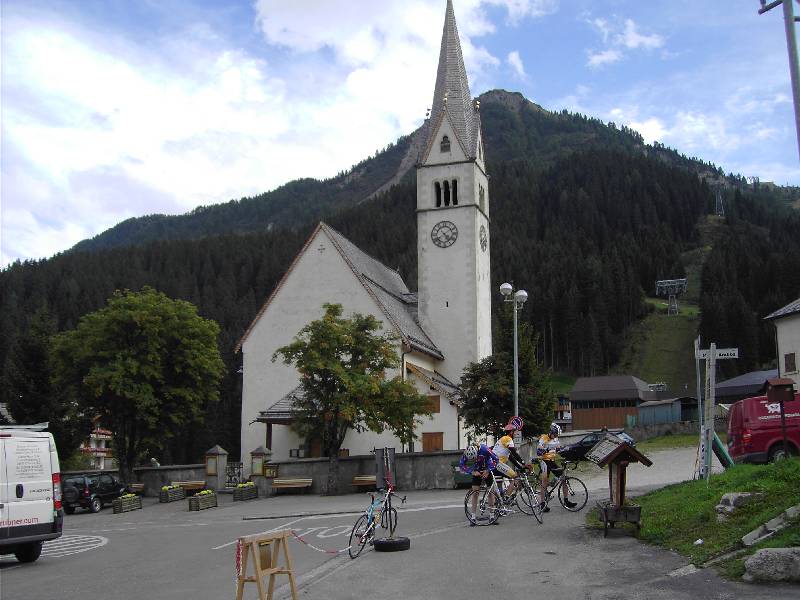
342,364
146,364
27,389
487,386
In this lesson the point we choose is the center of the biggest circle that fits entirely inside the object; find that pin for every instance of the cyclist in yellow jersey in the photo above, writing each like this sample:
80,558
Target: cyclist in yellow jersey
509,458
547,449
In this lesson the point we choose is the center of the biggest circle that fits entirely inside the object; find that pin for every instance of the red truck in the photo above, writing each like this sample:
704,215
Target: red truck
754,429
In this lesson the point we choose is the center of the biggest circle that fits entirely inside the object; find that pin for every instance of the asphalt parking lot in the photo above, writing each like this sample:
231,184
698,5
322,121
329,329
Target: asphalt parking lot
165,552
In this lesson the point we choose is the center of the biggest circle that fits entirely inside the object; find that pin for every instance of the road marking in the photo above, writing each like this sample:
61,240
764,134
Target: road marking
72,544
284,526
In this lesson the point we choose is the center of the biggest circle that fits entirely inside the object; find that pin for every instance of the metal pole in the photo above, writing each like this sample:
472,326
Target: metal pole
516,376
791,44
699,403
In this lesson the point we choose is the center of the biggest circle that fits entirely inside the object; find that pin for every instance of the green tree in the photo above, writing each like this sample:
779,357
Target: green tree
146,364
342,365
487,386
29,393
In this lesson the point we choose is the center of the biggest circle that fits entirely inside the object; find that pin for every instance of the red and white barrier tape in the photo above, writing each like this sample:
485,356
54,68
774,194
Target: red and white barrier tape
298,538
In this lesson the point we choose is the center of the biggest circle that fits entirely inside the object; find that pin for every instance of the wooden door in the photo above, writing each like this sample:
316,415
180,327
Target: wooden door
433,442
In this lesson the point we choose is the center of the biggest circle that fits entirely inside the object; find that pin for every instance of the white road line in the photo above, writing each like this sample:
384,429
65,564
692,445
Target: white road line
284,526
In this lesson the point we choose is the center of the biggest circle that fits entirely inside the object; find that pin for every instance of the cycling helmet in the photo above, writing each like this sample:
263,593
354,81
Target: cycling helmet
471,452
555,430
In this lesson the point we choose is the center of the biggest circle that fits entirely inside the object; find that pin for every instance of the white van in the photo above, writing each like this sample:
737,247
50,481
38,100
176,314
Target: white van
30,490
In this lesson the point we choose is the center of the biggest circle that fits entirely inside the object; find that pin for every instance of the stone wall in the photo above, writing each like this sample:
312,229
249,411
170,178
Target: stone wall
154,477
645,432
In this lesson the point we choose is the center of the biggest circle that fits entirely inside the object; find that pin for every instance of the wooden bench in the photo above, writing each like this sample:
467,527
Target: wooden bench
298,483
190,486
364,481
136,488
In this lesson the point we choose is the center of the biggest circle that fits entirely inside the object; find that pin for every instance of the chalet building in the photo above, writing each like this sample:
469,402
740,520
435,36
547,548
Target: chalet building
787,339
609,401
441,328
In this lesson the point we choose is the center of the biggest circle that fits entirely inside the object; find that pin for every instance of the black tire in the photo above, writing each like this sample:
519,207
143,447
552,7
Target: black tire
392,544
488,507
528,504
776,452
69,509
95,505
360,535
71,494
29,552
576,490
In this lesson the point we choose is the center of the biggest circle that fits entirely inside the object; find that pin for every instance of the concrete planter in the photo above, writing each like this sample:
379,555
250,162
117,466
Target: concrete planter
245,493
201,502
171,495
122,505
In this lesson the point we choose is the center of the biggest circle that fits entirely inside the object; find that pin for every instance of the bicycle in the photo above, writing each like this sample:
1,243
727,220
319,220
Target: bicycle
379,512
490,506
576,489
525,497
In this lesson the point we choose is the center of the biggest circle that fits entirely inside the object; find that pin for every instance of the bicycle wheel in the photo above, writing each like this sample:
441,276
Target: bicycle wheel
389,520
362,533
528,503
576,492
488,507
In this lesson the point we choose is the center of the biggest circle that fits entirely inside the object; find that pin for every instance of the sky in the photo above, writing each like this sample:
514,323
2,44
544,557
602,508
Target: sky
112,109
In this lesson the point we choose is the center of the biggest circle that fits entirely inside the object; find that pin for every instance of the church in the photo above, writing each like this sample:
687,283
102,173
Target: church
441,328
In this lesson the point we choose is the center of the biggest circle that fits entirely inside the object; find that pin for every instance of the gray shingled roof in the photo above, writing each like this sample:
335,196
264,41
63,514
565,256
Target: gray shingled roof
390,291
451,83
611,387
284,408
746,384
789,309
436,379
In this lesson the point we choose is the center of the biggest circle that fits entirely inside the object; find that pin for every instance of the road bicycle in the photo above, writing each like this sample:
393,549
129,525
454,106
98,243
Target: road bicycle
575,488
379,513
525,497
491,504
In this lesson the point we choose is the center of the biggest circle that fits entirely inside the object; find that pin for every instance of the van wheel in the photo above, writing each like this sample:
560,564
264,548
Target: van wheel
96,505
29,552
777,453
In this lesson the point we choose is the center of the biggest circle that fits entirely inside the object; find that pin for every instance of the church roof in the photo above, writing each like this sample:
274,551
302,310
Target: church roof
385,285
436,380
451,96
790,309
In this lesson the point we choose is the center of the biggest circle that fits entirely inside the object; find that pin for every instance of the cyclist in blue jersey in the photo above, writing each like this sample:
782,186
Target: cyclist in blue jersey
478,460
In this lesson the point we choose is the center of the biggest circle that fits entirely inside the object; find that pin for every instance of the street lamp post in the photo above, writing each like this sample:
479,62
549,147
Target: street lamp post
518,298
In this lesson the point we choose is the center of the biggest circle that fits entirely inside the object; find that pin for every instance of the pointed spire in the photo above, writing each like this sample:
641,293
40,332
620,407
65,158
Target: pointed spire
451,93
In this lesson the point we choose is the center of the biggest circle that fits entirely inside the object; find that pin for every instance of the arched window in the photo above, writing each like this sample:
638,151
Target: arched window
438,187
447,193
445,145
454,192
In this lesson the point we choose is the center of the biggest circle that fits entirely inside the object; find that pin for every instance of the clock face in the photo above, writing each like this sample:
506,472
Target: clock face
444,234
483,238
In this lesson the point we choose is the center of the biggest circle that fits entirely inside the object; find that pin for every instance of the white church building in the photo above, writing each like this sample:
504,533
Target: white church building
440,329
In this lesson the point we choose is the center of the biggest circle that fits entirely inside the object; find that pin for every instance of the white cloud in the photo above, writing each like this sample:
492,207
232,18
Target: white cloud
597,59
516,63
631,38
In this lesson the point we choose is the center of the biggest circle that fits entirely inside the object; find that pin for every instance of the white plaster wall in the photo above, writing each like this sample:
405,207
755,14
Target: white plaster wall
454,284
320,275
788,332
436,156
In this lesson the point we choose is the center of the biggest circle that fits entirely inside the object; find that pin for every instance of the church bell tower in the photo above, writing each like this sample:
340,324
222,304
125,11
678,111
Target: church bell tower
455,304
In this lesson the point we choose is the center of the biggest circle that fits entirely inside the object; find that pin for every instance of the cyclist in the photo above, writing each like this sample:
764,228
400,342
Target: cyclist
482,461
547,449
509,457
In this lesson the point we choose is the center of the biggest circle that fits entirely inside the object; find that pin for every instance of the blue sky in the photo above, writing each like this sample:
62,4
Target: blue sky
113,109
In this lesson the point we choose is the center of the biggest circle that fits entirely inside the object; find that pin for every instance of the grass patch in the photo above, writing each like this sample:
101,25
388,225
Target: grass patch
562,384
677,515
680,440
786,538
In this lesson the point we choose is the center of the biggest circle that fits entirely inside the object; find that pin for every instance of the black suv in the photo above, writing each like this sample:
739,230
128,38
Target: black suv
579,449
90,491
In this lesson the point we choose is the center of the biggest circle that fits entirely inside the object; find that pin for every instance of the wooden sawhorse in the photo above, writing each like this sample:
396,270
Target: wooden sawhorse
262,550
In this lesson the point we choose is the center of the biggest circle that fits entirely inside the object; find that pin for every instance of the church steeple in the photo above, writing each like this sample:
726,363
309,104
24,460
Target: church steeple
451,96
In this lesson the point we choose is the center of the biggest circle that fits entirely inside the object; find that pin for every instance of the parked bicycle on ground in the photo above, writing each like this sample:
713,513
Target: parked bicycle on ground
381,513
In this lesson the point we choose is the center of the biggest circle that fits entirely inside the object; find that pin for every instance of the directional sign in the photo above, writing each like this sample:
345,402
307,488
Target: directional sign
721,353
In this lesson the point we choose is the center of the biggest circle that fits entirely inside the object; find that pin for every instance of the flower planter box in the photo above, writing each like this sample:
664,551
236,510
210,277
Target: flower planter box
245,493
122,505
201,502
171,495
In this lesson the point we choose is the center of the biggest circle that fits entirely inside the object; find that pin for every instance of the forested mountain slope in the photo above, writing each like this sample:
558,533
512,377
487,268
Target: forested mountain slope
583,215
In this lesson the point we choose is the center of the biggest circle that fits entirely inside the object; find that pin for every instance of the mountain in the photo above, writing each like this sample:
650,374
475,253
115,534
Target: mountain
514,127
585,216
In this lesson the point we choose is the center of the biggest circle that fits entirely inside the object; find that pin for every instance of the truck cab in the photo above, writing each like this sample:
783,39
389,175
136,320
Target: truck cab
754,429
